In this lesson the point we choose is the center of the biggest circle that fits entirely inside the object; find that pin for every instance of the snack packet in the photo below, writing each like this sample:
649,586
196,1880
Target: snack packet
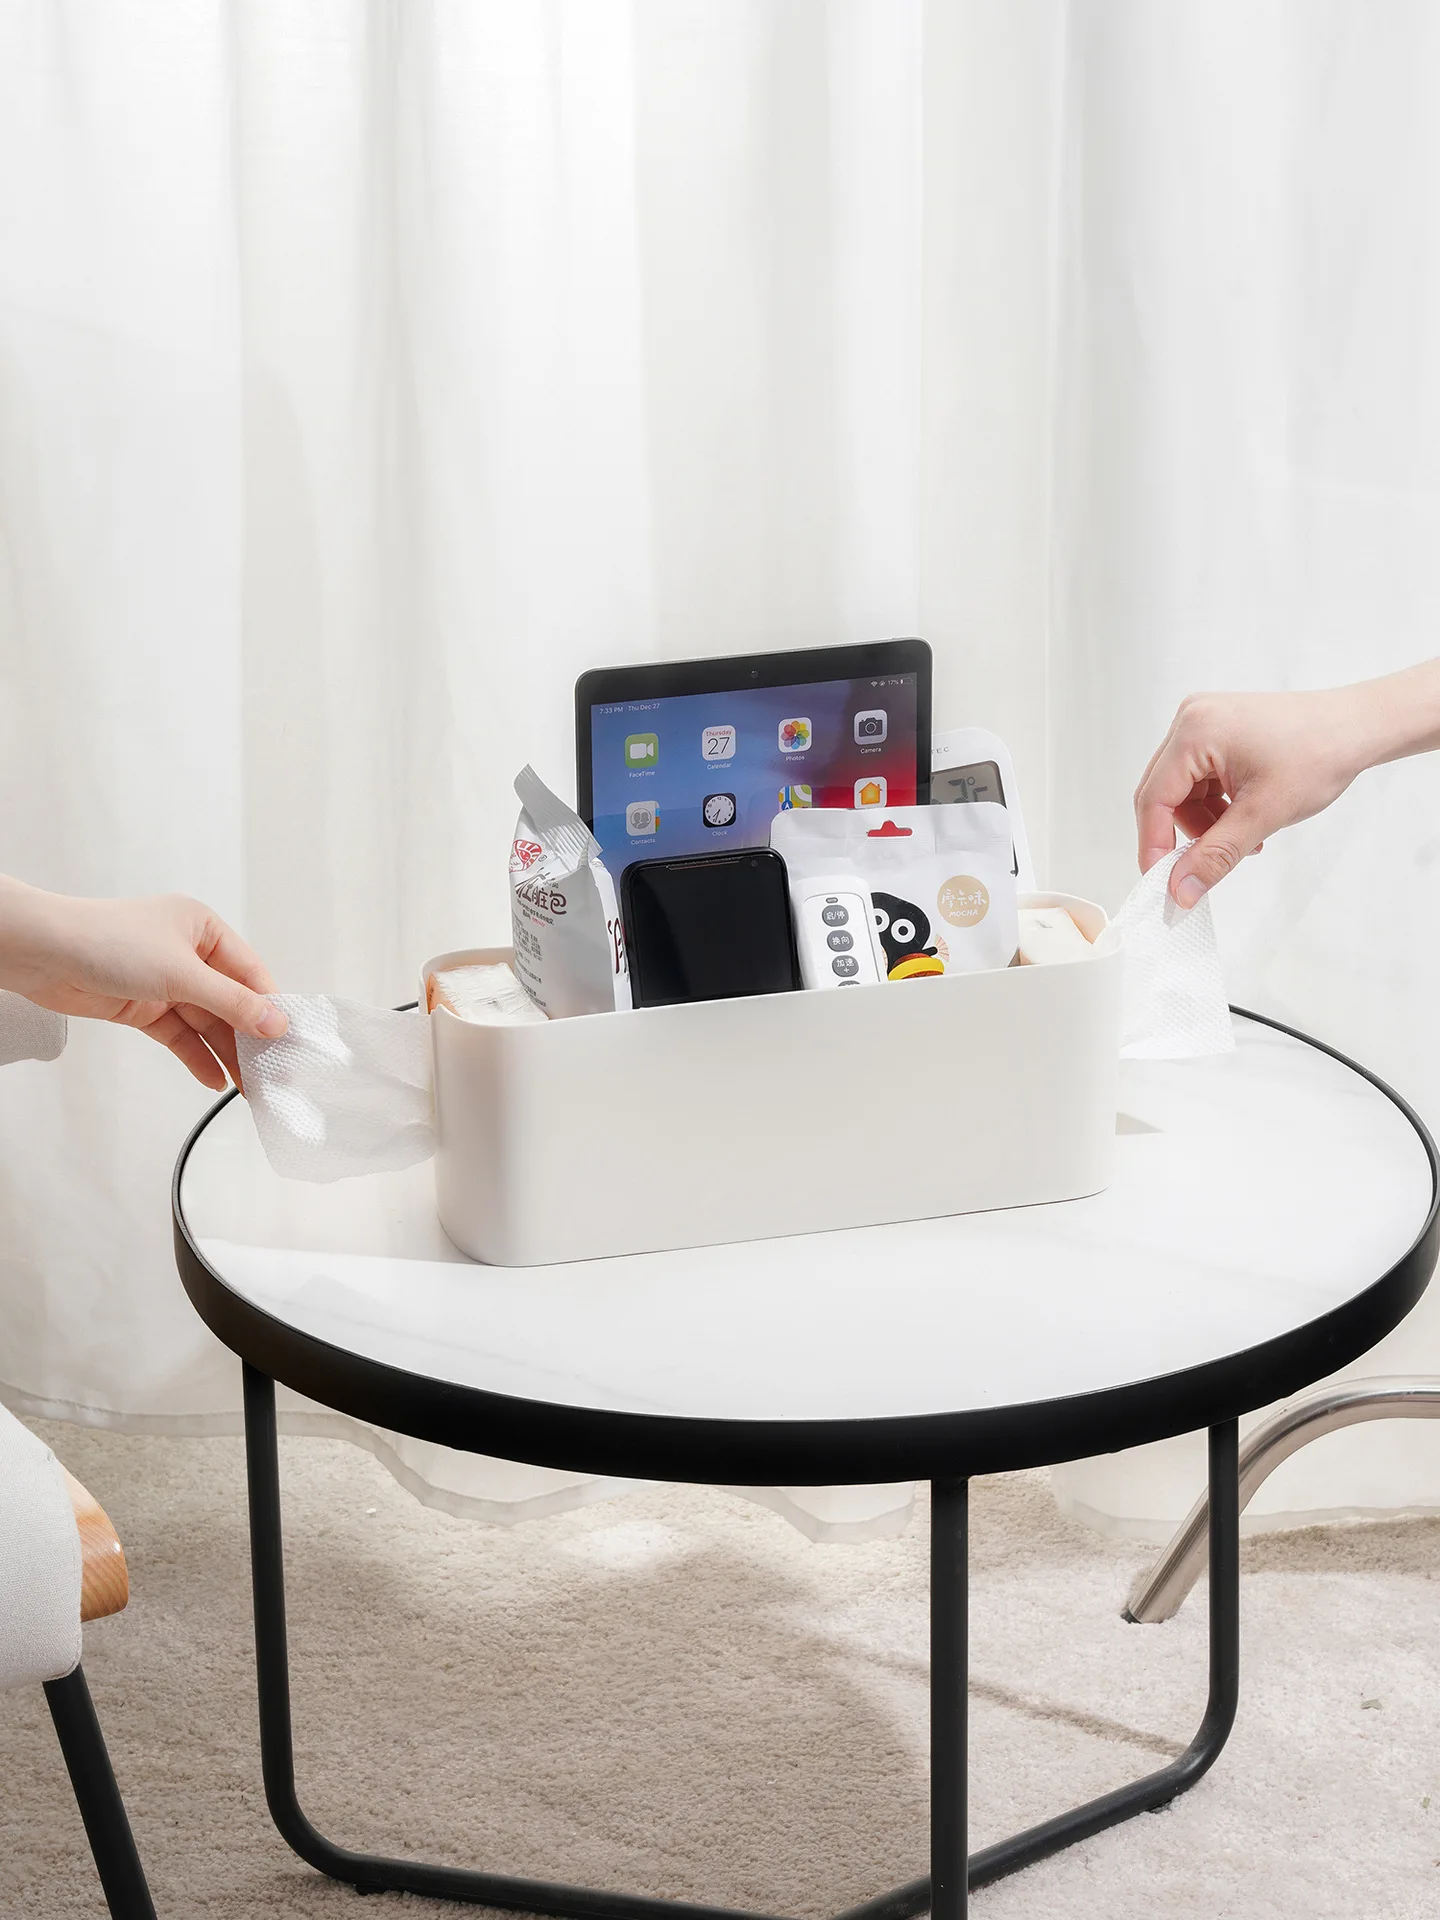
568,936
939,878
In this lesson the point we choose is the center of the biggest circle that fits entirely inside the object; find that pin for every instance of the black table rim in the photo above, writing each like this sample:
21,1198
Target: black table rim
816,1452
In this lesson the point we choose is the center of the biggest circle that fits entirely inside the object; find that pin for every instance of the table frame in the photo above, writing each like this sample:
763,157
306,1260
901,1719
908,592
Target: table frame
948,1449
944,1892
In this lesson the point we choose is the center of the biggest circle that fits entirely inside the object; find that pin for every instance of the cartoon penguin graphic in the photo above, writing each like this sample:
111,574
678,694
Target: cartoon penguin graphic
904,932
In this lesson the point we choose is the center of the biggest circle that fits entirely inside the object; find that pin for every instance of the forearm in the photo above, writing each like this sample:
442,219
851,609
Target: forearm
29,930
1395,716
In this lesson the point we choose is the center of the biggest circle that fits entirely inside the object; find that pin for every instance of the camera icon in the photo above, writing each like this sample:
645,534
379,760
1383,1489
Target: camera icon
871,727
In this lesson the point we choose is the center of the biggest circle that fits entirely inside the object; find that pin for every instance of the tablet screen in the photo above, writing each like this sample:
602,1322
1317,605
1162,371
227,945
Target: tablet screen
691,773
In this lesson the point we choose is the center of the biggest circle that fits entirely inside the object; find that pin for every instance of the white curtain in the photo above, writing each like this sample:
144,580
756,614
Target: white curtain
367,371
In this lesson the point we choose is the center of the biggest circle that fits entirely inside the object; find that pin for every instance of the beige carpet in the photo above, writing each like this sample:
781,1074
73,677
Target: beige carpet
677,1694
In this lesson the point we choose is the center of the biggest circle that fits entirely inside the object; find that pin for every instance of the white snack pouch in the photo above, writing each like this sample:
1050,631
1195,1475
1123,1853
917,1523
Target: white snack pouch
939,878
566,928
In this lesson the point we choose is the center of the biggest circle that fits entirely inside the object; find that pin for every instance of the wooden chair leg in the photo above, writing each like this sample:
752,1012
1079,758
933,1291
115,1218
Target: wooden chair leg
98,1796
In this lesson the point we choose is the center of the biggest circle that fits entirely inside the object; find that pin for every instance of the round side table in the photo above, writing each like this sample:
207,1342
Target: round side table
1273,1215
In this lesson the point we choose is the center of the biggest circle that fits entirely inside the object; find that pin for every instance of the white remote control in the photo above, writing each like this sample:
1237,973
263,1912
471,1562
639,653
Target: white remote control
836,941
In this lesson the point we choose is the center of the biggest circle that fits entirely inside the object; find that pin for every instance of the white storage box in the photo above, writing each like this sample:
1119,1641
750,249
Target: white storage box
788,1113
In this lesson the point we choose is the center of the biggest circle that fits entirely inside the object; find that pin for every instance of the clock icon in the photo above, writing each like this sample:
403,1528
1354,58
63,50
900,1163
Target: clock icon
718,809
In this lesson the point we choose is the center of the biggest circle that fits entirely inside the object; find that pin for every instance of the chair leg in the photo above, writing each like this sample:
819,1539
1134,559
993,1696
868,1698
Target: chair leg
101,1808
1159,1589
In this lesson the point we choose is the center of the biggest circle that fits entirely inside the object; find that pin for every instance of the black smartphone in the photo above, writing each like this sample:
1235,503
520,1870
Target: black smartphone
713,928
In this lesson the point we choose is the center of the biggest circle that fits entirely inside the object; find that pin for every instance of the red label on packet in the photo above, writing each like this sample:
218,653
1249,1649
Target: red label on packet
524,854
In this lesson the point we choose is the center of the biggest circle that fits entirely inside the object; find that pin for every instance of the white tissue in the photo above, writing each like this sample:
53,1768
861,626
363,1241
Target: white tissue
1174,1004
490,996
346,1089
1049,937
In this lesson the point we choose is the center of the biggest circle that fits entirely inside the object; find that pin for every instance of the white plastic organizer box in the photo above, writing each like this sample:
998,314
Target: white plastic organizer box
726,1120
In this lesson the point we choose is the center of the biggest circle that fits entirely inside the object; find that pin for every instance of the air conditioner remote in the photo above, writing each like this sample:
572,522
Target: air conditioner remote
835,937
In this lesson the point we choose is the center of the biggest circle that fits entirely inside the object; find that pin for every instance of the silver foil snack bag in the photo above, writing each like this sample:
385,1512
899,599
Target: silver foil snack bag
567,933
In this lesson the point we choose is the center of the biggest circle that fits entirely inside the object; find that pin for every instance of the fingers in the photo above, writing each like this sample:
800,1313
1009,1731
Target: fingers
1155,757
237,982
1155,816
1156,825
1241,829
1172,789
239,1006
188,1048
218,1037
1203,808
229,954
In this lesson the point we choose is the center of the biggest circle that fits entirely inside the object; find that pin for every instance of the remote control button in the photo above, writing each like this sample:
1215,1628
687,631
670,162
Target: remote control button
835,916
845,966
840,942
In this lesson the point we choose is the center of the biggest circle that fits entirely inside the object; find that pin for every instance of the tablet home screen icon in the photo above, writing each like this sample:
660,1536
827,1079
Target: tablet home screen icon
642,751
717,743
795,736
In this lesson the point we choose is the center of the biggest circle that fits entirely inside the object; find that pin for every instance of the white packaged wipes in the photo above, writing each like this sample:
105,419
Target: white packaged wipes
939,878
567,933
1048,935
490,996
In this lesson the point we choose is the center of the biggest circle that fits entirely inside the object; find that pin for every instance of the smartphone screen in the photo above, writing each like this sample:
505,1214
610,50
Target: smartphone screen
713,928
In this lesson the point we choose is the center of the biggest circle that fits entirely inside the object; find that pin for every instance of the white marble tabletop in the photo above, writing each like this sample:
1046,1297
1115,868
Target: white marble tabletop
1253,1192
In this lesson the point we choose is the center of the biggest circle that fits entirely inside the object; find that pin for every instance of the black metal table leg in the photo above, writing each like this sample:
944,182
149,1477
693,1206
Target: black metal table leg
949,1697
107,1825
371,1873
1155,1790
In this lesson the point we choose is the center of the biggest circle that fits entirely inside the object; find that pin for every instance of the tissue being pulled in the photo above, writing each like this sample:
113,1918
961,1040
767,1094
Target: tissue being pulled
1175,1006
345,1090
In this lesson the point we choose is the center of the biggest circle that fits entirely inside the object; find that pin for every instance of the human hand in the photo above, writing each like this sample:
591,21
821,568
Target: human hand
167,966
1236,767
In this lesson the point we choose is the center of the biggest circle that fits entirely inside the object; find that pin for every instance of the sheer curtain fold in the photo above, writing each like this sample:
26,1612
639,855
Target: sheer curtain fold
366,372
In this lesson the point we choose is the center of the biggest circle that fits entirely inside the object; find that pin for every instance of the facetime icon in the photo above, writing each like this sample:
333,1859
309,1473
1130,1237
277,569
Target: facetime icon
642,750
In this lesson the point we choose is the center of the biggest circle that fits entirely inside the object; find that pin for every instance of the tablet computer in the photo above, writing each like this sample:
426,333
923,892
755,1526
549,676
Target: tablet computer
694,756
